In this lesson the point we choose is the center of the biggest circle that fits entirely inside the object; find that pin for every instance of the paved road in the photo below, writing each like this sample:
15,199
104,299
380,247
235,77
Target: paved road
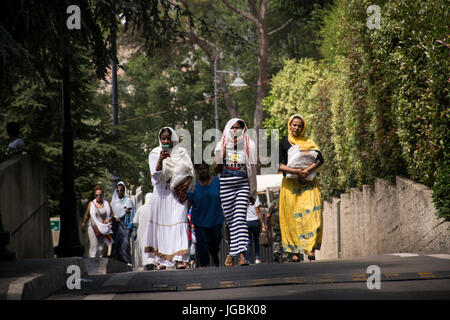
403,276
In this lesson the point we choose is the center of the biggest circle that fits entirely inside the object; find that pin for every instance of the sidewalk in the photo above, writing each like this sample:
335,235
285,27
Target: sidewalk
34,279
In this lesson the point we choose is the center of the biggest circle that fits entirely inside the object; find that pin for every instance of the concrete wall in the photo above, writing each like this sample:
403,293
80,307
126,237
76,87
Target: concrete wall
24,208
383,219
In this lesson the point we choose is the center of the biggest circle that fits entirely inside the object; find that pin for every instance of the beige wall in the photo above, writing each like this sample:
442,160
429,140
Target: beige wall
24,208
383,219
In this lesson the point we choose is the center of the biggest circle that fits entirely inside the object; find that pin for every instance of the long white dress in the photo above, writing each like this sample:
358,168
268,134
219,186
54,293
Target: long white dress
140,221
167,231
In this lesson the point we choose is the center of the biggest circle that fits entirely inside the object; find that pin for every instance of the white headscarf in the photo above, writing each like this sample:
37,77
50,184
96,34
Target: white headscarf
148,198
142,209
119,205
247,145
179,165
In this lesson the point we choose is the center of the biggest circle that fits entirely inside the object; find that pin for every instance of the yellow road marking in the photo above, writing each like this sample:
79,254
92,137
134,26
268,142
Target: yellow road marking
293,279
359,277
193,286
325,279
257,282
391,275
226,284
426,274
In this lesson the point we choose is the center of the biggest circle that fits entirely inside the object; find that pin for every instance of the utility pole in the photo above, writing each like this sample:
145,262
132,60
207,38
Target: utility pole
69,242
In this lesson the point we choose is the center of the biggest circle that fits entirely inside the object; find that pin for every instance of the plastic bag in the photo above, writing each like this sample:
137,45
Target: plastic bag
301,159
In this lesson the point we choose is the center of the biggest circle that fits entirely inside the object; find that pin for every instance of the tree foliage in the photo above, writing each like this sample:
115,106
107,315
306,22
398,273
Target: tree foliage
35,42
383,92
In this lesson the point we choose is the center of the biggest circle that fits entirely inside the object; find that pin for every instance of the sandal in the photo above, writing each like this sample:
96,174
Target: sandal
243,260
295,258
311,256
180,265
160,267
229,262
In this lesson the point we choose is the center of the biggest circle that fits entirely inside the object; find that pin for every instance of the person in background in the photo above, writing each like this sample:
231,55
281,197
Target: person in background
273,226
140,222
207,215
124,211
192,242
16,144
98,219
255,225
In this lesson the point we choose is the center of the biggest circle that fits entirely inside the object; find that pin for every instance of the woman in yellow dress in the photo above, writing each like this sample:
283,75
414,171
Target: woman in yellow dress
300,199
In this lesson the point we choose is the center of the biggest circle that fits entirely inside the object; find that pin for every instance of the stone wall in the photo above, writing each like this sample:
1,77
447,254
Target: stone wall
24,208
381,219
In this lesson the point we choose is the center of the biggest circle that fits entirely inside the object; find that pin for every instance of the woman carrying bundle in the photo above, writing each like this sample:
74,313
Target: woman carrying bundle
300,198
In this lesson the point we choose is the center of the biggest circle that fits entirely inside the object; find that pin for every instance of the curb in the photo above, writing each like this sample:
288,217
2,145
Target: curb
36,279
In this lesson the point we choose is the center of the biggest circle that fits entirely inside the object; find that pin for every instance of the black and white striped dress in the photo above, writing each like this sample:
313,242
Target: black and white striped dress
234,194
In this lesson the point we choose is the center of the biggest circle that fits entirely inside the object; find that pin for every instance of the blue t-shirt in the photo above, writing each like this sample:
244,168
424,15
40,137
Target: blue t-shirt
206,204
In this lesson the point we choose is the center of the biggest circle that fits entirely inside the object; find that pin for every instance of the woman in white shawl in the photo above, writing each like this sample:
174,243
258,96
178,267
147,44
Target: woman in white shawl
99,213
172,176
236,163
124,211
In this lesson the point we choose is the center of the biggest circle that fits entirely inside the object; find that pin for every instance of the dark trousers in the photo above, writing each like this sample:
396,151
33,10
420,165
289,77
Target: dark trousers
254,229
121,245
208,243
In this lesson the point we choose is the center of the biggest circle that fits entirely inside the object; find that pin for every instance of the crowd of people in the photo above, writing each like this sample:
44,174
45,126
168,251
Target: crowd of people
189,205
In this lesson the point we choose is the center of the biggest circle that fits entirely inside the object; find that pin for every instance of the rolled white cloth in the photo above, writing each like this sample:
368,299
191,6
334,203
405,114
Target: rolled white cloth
301,159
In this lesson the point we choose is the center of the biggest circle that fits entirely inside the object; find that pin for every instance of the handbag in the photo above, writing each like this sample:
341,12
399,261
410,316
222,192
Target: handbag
264,239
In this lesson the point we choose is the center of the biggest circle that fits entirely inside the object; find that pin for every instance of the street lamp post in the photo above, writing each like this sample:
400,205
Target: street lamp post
69,242
238,82
115,105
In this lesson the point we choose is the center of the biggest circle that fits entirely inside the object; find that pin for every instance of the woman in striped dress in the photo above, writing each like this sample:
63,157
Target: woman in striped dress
236,163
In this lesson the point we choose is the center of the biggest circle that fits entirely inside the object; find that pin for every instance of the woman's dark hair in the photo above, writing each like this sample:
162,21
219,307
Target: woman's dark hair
197,165
97,187
299,118
241,123
164,131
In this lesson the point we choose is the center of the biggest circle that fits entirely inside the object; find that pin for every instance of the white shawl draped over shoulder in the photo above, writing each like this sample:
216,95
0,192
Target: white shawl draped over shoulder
249,147
104,229
178,166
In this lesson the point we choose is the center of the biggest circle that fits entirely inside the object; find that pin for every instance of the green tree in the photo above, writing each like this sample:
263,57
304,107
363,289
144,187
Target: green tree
36,39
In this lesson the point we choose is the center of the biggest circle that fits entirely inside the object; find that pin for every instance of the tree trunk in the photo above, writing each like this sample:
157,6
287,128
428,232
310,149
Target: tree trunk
258,116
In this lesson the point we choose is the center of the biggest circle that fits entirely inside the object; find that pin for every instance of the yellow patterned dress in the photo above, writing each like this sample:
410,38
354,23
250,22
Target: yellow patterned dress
300,203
